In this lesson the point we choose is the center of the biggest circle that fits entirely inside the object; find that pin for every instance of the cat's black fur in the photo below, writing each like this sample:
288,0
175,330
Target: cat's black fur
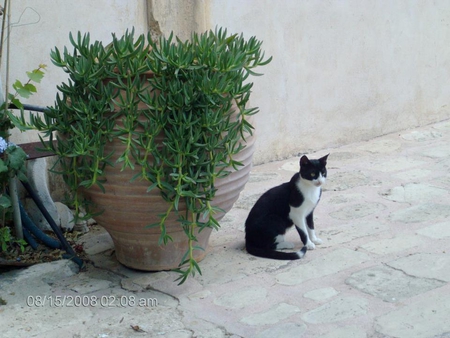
278,209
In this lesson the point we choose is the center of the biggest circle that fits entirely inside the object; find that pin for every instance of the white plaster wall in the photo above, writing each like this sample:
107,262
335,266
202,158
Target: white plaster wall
40,25
343,70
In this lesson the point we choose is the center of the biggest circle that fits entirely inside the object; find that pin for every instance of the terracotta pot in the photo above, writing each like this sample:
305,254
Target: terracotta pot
128,209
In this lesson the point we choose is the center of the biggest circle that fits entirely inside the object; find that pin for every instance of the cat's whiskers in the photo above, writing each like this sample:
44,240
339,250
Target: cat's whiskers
317,182
320,181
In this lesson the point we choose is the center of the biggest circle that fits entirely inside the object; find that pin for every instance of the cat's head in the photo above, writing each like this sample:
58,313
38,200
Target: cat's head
314,171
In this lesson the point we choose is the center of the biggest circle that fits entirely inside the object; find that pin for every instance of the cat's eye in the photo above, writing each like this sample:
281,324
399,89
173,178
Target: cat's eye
313,175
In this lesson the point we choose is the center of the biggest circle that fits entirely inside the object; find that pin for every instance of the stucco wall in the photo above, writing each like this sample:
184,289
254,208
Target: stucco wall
40,25
343,70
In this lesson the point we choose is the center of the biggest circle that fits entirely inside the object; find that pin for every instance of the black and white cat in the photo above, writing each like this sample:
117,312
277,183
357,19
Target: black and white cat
278,209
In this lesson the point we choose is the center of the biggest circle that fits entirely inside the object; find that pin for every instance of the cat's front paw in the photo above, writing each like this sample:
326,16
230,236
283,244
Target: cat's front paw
310,245
316,241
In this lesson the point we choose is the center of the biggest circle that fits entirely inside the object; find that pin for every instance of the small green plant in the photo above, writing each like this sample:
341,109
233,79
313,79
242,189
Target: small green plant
196,87
8,242
12,157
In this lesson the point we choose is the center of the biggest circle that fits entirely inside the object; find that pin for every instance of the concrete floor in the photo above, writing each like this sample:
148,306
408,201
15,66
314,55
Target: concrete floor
382,271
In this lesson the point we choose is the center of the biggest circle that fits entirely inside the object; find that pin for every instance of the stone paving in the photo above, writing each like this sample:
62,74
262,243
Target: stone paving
382,271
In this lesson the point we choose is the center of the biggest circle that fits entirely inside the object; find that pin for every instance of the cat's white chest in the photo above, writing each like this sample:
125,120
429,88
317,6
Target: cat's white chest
311,195
309,191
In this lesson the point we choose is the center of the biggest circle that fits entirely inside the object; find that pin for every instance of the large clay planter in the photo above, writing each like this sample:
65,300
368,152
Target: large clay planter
129,208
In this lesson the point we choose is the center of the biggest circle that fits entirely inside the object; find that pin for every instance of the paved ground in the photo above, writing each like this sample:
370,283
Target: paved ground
383,270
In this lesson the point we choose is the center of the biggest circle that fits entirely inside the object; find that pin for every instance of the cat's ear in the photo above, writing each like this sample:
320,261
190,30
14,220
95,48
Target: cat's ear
323,160
304,161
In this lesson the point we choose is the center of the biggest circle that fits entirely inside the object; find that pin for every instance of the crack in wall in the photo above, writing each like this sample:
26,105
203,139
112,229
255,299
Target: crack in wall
152,24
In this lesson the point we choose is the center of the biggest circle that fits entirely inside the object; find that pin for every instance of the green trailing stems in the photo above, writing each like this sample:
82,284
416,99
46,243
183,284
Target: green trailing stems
182,117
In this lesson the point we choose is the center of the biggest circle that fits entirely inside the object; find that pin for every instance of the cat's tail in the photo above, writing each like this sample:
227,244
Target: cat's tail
280,255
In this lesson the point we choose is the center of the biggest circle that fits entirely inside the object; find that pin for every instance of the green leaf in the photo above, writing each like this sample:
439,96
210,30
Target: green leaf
101,186
15,101
86,183
21,89
36,75
151,187
153,225
16,158
17,85
5,202
3,167
30,87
